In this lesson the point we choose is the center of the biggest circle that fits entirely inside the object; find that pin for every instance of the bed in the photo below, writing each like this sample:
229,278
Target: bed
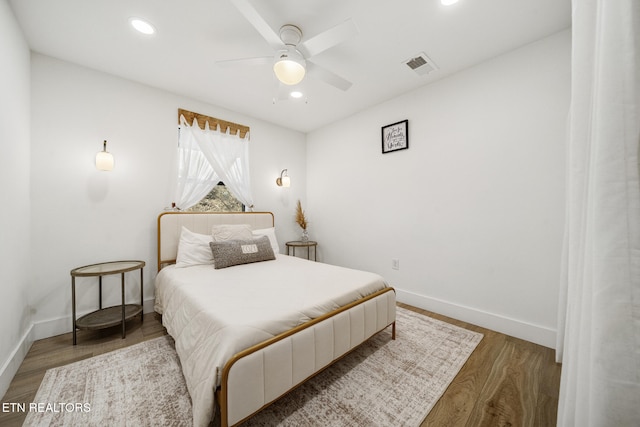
247,333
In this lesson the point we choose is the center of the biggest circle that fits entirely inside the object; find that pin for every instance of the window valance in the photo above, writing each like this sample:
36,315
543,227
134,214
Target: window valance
233,128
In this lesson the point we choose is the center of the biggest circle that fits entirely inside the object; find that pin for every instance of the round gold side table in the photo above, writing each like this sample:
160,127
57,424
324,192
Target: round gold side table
109,316
300,244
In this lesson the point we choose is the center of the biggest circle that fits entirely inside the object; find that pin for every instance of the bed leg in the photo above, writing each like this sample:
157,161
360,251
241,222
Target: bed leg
393,331
221,407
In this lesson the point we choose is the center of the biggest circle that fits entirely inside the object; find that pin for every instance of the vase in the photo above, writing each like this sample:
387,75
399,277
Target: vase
305,235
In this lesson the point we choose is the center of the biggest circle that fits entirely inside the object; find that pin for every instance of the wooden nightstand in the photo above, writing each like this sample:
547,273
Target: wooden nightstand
308,244
109,316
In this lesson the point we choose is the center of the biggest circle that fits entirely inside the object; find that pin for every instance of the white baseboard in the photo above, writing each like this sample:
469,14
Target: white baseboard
11,365
513,327
62,325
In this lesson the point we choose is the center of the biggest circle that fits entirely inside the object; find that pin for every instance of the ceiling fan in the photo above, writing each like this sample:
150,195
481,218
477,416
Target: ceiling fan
291,62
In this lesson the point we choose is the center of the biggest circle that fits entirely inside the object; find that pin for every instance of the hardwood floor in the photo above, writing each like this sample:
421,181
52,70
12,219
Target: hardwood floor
505,382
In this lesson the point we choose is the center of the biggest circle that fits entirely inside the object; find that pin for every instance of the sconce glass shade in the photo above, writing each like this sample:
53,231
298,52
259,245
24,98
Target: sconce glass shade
289,66
283,180
104,159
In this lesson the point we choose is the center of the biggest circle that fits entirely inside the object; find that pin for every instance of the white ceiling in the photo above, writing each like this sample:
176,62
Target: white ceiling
193,34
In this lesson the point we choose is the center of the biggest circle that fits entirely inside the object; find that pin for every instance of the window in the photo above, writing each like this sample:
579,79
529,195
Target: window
219,199
206,156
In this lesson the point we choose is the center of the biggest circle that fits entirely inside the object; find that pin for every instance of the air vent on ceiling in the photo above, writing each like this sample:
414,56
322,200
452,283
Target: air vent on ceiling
421,64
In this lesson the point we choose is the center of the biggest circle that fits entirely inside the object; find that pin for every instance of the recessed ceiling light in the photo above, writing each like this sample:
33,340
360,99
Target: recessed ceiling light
296,94
142,26
448,2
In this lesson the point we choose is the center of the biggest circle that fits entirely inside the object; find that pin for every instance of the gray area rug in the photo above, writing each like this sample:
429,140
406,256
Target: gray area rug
382,383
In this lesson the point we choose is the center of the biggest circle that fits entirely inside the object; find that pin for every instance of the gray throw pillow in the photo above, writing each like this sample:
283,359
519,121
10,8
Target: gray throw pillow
236,252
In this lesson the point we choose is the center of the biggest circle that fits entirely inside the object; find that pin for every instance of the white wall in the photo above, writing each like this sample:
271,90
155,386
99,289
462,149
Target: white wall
15,319
83,216
473,210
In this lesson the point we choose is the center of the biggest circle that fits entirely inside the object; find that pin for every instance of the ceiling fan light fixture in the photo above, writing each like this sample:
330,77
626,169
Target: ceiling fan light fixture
289,66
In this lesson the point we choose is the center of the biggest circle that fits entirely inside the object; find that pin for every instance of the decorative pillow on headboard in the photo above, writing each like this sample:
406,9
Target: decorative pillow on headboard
224,232
235,252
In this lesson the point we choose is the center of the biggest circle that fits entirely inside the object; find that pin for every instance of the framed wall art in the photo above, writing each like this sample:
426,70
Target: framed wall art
395,137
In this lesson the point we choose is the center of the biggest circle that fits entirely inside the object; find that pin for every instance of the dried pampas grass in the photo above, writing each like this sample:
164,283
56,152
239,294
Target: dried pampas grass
301,220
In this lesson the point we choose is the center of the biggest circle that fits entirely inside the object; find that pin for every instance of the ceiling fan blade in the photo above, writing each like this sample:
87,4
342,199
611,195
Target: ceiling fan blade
255,19
261,60
317,72
327,39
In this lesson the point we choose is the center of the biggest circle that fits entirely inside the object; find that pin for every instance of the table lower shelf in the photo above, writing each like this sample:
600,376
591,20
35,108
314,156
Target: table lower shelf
108,317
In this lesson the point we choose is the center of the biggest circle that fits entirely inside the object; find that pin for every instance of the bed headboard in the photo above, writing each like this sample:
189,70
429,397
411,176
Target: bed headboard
170,225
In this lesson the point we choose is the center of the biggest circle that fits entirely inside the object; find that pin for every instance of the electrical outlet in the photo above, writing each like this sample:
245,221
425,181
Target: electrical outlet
395,264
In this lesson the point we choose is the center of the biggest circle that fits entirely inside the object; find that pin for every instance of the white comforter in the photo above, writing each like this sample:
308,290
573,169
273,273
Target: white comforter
213,314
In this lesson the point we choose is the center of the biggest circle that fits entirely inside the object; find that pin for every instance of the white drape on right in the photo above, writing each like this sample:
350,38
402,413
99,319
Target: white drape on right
599,318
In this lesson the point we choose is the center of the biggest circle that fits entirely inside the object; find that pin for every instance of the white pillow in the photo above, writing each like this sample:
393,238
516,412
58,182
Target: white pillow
271,234
221,233
193,249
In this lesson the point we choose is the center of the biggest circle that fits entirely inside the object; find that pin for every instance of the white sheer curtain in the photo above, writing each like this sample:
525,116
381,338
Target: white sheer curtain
599,319
196,177
207,157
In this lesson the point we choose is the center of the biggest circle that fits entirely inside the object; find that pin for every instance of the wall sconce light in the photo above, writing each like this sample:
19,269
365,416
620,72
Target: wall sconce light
104,159
283,180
